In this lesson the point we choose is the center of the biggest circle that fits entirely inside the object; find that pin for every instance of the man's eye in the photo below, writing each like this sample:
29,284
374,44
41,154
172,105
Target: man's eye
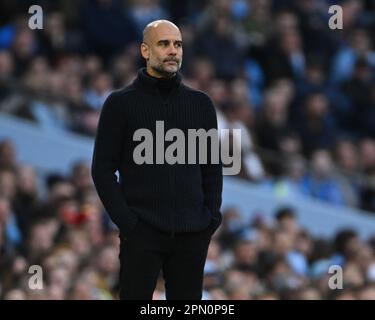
178,45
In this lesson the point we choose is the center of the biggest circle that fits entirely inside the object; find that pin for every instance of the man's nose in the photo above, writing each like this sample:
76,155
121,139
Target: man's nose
172,50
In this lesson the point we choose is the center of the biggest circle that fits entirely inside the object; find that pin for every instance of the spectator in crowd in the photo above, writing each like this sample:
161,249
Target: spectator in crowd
321,182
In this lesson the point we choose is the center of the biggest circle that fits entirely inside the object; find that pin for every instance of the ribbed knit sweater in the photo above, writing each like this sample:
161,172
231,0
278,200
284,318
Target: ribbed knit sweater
172,197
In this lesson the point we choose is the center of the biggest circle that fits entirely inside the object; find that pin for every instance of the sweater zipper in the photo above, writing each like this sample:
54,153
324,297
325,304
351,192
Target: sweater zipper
173,185
173,201
166,105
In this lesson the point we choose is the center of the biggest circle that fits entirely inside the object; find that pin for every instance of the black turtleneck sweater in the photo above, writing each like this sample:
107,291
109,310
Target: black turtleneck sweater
173,198
164,85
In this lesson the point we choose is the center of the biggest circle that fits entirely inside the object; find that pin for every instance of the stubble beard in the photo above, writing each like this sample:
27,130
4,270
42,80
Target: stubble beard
159,68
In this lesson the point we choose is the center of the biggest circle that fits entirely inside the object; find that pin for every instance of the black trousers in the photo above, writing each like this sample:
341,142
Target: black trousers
181,258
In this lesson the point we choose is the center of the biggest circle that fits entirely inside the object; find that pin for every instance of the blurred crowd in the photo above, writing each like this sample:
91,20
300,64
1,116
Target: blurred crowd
302,94
58,223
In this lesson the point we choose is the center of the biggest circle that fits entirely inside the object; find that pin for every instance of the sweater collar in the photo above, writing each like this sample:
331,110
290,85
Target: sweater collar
152,83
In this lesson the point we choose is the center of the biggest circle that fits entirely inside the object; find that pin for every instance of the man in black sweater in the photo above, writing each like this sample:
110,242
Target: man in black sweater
166,213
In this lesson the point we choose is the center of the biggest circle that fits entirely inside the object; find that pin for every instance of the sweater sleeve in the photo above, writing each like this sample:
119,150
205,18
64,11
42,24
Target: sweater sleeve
106,161
212,174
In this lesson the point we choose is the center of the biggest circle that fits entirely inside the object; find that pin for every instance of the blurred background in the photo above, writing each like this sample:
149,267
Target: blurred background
302,94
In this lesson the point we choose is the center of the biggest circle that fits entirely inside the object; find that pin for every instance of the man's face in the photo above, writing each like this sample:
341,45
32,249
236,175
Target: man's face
163,50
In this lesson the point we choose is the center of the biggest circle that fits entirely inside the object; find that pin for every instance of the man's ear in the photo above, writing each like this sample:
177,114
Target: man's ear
145,51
